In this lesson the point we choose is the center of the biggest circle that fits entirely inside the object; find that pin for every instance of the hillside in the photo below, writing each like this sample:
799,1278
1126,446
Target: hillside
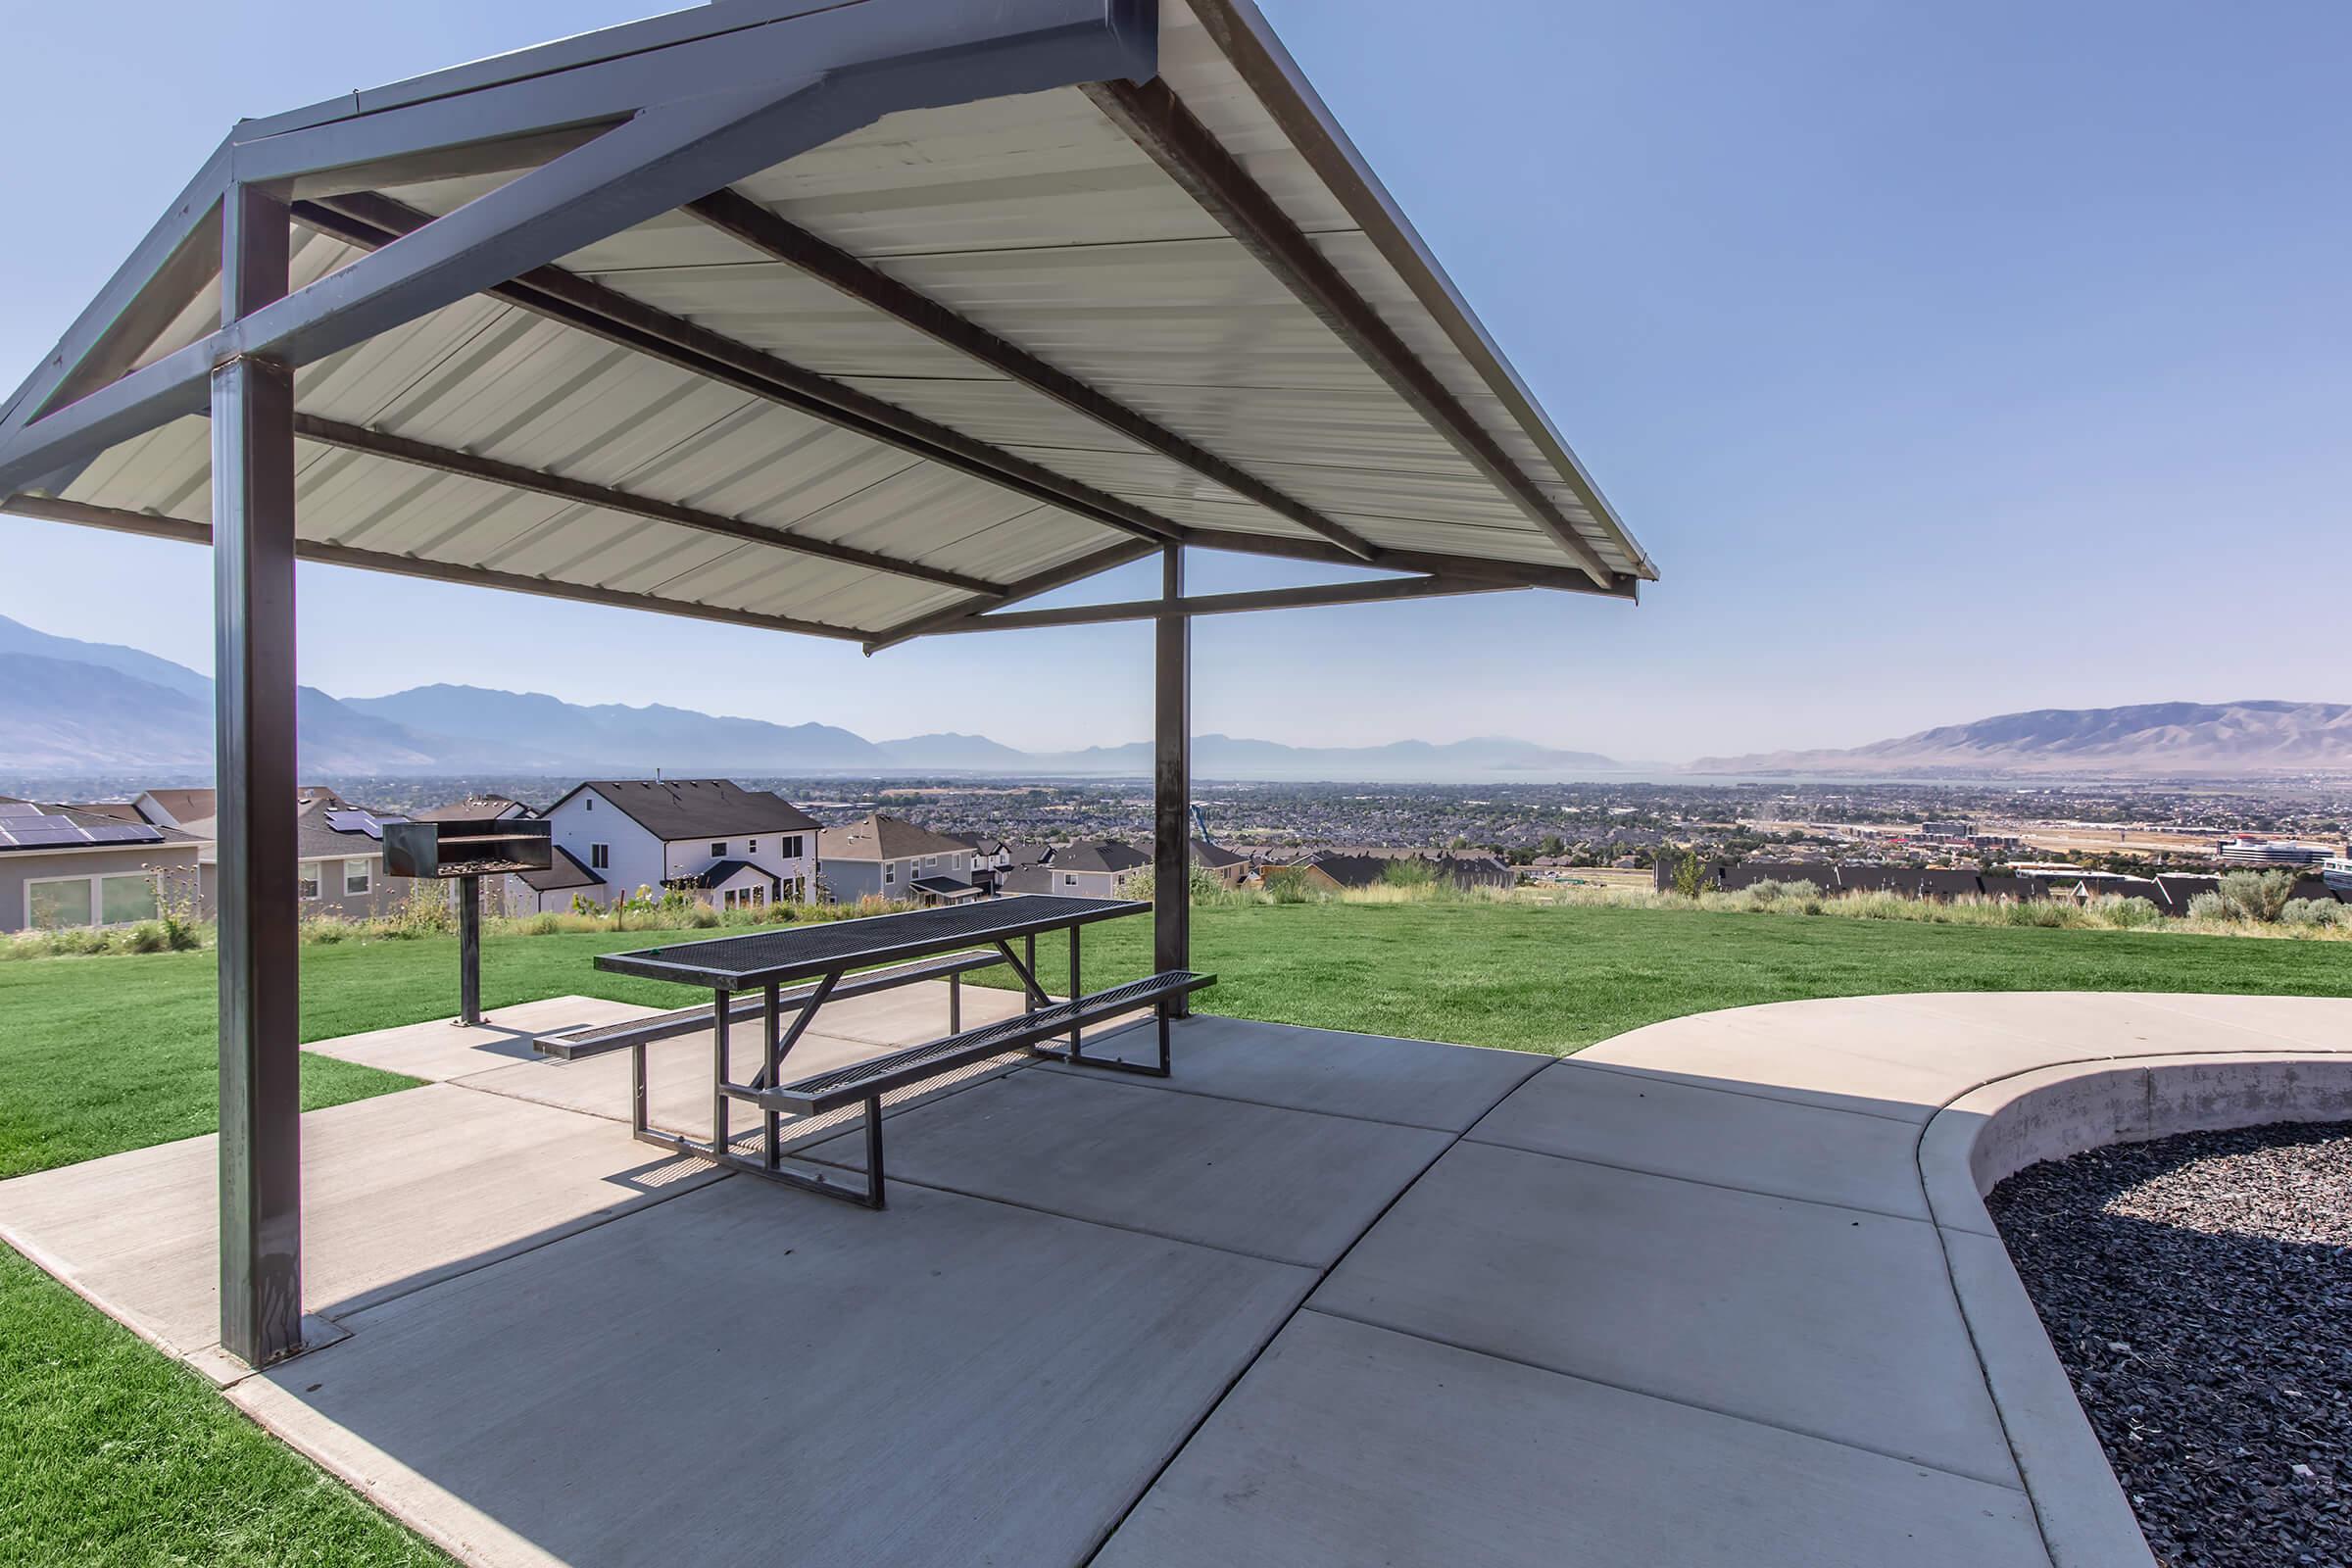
2155,738
616,738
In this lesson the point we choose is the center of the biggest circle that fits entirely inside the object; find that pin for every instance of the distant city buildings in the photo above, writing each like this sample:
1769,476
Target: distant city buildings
2277,852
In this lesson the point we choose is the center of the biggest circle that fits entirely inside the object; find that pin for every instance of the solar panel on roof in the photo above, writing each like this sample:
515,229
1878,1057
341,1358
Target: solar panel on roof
61,833
355,821
18,809
122,833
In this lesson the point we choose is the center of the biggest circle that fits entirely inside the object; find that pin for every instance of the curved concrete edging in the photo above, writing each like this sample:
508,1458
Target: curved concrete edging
2050,1112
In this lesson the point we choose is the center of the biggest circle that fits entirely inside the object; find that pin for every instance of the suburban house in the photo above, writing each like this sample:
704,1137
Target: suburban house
474,808
730,846
1227,867
1092,868
1343,870
889,857
63,865
341,847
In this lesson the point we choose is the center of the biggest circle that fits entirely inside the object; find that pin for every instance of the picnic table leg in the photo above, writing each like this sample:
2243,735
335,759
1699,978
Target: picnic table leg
773,1037
873,1152
1037,991
722,1003
956,1004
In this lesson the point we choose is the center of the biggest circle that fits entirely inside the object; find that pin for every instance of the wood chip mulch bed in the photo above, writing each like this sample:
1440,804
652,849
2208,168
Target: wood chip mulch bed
2199,1291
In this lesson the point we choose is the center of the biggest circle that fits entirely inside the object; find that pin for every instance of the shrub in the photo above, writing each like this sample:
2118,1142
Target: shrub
2316,913
1287,884
2259,896
2128,914
1404,872
2209,906
1689,875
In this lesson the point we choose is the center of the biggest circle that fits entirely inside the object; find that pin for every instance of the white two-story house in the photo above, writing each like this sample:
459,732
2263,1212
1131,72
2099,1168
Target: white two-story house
730,846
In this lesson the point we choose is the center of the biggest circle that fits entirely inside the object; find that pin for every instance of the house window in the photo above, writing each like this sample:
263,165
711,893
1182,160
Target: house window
54,905
122,900
307,883
599,856
790,847
889,873
357,878
753,848
718,851
1069,879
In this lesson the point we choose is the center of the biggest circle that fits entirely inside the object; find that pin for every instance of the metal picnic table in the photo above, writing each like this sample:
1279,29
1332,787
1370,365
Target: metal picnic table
817,958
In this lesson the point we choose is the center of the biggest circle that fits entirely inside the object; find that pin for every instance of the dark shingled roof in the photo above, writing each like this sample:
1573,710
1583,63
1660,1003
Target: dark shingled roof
674,809
885,838
566,872
1101,855
714,875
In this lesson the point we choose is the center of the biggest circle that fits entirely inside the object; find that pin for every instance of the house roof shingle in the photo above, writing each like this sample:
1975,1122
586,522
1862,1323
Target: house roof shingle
885,838
677,808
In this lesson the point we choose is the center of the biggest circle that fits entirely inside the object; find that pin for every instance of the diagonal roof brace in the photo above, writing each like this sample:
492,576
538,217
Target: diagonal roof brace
443,460
749,223
1383,591
371,219
1158,122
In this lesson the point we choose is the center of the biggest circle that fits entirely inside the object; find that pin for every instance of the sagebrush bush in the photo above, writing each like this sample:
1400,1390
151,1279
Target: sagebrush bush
2259,896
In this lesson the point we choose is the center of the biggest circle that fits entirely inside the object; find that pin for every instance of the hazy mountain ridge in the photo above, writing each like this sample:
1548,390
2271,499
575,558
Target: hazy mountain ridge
2151,739
86,706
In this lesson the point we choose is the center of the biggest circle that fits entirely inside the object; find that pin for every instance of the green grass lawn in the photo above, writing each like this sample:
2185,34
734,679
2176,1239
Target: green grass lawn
113,1453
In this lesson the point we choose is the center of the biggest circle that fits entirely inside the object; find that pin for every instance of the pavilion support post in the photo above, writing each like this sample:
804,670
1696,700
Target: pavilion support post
1172,781
257,902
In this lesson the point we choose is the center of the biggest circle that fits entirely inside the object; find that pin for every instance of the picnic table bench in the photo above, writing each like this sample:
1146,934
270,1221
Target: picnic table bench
839,958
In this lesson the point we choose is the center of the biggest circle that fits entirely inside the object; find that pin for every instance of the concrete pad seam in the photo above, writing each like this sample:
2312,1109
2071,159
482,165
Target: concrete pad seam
1322,1276
1663,1398
1171,1086
1080,1220
1652,1073
1695,1181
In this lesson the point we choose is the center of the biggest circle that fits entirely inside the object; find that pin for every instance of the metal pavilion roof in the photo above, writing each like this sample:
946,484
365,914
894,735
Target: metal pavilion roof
1107,278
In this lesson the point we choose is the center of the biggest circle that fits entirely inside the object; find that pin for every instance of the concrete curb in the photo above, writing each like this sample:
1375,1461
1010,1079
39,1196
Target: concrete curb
2049,1113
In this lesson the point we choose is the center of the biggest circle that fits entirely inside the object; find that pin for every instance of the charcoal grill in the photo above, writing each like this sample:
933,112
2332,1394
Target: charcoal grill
465,853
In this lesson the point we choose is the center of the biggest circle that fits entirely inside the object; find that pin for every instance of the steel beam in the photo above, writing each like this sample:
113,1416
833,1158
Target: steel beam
444,460
1172,782
1309,598
753,226
371,219
1091,564
689,122
258,908
151,526
1159,123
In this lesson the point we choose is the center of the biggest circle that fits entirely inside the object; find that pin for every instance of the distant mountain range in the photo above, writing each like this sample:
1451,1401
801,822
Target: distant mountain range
70,707
2153,739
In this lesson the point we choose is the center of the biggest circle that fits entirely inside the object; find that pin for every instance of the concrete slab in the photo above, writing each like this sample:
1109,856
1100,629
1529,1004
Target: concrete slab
398,1192
1419,1083
750,1375
2315,1023
1826,1321
1258,1179
2077,1025
1631,1121
441,1048
1348,1444
1881,1055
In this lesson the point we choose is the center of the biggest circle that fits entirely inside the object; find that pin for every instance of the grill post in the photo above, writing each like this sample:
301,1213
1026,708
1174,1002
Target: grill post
470,950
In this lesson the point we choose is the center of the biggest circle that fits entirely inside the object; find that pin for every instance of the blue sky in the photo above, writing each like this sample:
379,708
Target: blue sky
1950,359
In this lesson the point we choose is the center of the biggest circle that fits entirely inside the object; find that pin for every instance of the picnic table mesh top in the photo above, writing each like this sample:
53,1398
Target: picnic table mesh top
814,949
